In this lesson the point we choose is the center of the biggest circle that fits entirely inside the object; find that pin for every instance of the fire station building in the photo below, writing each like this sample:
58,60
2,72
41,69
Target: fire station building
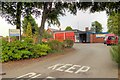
78,36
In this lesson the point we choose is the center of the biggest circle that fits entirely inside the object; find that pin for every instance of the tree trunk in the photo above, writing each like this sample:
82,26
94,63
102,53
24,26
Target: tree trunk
47,8
41,28
18,17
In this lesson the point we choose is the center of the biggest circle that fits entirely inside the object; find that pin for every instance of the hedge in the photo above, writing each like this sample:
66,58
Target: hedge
22,50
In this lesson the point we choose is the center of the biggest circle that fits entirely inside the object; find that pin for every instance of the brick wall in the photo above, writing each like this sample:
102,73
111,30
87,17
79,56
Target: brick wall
94,39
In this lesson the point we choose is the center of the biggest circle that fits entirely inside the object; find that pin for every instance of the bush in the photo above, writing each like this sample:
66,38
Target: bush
55,46
68,43
41,50
28,40
115,52
22,50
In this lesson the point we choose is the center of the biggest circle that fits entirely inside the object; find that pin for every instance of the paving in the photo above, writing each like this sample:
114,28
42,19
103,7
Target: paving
86,61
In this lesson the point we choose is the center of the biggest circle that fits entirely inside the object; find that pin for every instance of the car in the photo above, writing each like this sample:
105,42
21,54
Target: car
111,39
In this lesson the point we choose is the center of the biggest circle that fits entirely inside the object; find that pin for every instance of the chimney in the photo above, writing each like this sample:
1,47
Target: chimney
86,29
59,29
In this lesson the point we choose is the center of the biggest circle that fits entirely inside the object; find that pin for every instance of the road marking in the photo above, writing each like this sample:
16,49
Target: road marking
54,66
63,67
83,69
31,75
36,76
70,68
50,78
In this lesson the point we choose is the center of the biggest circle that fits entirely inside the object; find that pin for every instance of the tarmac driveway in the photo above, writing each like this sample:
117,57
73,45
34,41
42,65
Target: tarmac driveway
86,61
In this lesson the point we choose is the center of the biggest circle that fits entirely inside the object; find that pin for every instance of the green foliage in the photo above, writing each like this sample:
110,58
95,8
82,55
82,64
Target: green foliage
96,26
68,28
12,11
56,46
113,23
29,31
47,35
28,40
0,46
31,20
18,50
22,50
68,43
41,50
115,52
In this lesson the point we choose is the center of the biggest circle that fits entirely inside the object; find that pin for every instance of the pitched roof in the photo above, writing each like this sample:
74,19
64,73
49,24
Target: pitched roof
53,29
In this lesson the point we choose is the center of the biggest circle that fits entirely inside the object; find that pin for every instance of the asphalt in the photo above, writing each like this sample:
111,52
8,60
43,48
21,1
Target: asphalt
94,57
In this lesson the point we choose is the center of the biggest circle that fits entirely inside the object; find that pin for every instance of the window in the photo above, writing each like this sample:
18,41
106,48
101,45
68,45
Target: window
111,38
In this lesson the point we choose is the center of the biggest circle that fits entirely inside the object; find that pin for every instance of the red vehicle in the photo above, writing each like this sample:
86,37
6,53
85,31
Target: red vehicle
111,39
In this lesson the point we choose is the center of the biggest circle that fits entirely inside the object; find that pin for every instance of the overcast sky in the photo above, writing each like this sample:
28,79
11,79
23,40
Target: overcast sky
80,21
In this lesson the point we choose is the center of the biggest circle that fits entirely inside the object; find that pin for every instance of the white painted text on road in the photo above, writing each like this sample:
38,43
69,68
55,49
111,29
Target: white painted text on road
70,68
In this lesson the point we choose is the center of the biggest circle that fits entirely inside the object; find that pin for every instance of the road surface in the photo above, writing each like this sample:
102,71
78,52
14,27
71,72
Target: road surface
86,61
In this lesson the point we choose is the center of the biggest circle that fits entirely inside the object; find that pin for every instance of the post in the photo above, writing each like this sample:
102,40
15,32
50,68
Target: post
9,39
64,36
9,36
20,37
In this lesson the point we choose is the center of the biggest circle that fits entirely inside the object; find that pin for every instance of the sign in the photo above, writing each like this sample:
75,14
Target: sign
100,35
14,32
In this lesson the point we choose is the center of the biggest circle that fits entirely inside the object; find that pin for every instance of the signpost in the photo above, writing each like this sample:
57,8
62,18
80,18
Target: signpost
100,35
14,32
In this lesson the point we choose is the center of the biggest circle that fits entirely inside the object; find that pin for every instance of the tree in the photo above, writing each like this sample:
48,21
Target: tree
31,20
96,26
52,10
112,23
68,28
29,31
47,35
12,12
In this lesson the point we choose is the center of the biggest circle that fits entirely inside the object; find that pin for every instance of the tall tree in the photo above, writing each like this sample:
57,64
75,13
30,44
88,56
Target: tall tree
52,10
68,28
96,26
112,23
12,12
31,20
29,30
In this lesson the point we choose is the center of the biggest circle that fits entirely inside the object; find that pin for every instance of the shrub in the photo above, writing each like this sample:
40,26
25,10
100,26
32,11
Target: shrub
17,50
115,52
28,40
41,50
26,54
68,43
4,57
55,46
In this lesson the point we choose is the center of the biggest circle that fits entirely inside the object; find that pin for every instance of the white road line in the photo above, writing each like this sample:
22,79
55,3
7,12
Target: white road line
54,66
36,76
63,67
83,69
72,68
28,74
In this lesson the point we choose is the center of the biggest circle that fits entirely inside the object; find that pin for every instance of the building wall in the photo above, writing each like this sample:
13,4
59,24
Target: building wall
49,31
94,39
61,36
0,37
